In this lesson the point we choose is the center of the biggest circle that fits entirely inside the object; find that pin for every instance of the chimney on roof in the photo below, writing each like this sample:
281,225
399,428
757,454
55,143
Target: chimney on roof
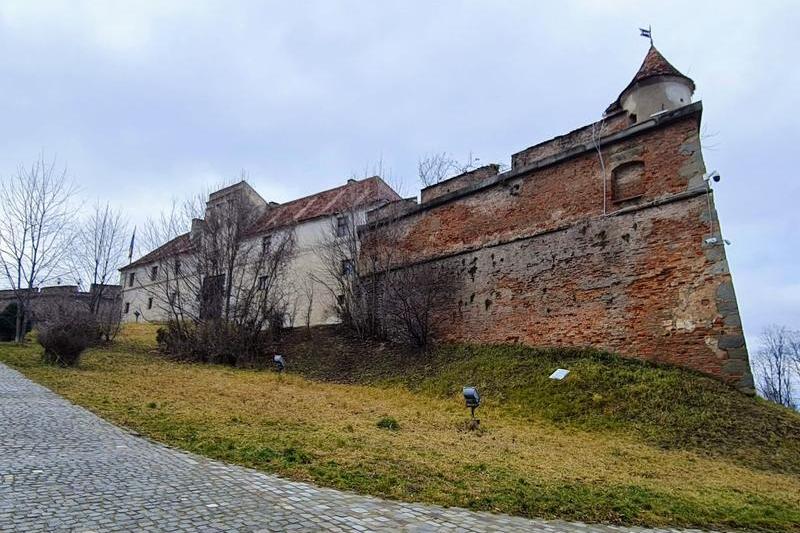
198,224
656,87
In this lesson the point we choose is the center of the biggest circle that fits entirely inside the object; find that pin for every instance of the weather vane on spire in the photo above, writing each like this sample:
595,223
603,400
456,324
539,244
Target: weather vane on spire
647,33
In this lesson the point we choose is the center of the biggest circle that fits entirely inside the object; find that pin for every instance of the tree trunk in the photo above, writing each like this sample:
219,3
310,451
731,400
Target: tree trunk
19,336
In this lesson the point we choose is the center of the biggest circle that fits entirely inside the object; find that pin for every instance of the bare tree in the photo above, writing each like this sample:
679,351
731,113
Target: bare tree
222,285
98,251
376,293
35,230
308,291
778,351
340,271
411,296
437,167
794,352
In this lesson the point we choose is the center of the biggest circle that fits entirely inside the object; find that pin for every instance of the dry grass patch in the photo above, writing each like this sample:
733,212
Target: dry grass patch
328,433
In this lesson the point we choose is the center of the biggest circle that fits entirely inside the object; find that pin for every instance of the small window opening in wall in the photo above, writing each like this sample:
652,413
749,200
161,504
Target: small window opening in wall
150,303
340,299
177,266
172,297
262,282
342,224
131,278
127,307
266,242
628,181
153,273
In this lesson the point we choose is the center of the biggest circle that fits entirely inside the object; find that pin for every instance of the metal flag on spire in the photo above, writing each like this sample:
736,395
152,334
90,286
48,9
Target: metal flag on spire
647,33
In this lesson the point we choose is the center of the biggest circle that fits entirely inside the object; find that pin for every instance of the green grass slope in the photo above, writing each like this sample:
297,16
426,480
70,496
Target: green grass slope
618,441
669,407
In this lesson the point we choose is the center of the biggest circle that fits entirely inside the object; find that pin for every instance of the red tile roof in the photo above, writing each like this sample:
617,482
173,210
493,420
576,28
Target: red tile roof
356,193
654,64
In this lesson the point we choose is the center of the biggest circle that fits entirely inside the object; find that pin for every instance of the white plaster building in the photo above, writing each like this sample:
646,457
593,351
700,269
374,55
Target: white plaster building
148,283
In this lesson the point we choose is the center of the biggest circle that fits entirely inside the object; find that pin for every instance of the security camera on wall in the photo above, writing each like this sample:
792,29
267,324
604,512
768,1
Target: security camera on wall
712,176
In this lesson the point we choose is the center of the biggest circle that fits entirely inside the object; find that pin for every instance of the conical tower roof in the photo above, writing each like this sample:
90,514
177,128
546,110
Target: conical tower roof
654,65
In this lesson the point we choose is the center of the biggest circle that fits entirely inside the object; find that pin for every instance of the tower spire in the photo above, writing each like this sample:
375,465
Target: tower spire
657,86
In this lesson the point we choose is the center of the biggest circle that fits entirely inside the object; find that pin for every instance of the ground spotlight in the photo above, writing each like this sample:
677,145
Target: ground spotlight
473,400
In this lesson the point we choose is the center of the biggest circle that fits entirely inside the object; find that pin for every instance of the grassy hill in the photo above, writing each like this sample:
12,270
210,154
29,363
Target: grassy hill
618,441
669,407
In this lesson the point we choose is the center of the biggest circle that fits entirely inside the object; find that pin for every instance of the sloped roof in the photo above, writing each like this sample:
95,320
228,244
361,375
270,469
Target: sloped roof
356,193
180,244
654,64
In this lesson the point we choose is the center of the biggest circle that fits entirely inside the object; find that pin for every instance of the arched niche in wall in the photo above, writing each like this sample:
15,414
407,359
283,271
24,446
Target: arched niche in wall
627,181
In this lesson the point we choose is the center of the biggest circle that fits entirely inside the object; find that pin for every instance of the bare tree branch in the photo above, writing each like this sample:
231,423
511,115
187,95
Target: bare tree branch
36,230
779,351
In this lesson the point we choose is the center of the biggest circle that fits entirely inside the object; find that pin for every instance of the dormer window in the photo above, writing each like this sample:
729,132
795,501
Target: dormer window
131,279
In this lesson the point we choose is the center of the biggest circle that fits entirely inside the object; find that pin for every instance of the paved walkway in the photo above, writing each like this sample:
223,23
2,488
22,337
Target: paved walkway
64,469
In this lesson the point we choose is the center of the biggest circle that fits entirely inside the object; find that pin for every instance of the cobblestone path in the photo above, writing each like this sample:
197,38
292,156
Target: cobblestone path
64,469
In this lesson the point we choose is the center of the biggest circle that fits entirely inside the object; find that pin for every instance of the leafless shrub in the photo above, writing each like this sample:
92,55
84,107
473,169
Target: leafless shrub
65,331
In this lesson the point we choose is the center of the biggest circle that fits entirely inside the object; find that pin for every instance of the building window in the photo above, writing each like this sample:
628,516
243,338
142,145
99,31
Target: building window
177,267
342,225
340,300
348,268
153,273
172,297
262,282
150,303
628,181
211,296
266,242
131,278
127,307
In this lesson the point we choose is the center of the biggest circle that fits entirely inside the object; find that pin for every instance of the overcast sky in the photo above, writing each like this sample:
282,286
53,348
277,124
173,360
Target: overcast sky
145,101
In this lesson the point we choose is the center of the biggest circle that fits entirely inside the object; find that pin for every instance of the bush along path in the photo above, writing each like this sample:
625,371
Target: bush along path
63,468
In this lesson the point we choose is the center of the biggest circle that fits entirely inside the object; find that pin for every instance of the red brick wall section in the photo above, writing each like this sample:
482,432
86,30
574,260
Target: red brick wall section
554,196
536,261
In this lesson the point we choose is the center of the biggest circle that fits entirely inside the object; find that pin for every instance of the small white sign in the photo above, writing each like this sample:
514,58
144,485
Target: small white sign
559,374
